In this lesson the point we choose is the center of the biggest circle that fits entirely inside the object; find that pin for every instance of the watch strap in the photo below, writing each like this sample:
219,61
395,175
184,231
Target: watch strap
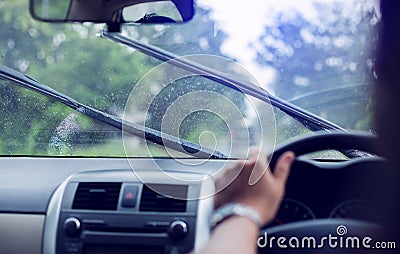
235,209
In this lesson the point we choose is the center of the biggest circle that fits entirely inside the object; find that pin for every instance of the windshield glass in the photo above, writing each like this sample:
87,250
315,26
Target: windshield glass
315,55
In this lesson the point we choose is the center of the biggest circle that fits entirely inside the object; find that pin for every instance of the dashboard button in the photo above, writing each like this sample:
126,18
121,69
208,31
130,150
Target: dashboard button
178,229
73,247
129,196
72,227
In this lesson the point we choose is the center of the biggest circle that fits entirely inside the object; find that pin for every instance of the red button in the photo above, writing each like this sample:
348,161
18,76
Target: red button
129,196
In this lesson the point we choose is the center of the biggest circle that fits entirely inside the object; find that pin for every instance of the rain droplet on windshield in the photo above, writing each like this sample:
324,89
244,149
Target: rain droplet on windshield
61,141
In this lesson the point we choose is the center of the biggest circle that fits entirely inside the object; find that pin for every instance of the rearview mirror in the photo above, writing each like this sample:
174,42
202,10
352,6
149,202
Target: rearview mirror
113,12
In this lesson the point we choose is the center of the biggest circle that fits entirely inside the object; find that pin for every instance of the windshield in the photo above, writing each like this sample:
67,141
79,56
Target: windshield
315,55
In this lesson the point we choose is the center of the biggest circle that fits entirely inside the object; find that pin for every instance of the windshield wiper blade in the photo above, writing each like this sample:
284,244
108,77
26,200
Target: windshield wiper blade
149,134
308,119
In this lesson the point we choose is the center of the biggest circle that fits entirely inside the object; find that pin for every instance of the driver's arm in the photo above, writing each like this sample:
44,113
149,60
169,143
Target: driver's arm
238,234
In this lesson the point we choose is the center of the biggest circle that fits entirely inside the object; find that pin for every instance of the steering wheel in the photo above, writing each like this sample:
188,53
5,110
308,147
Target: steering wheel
328,141
320,228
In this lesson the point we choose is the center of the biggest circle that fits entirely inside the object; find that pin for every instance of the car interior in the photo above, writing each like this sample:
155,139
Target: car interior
118,115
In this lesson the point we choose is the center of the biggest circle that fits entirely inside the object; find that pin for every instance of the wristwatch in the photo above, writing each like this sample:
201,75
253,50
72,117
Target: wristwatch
234,209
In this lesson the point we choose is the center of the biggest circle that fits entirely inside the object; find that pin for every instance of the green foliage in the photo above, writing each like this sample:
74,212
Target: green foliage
28,120
71,59
324,67
53,9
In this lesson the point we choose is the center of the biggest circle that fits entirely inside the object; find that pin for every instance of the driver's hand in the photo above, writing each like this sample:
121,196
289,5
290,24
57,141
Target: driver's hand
266,194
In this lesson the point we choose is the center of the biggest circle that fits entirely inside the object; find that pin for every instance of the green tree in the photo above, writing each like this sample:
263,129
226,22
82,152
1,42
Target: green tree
324,66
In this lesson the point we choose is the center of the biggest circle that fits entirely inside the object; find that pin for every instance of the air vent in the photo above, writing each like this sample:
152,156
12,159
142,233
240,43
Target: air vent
152,201
97,196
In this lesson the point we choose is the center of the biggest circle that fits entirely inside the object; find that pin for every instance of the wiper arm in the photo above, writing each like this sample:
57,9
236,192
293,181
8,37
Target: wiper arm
308,119
149,134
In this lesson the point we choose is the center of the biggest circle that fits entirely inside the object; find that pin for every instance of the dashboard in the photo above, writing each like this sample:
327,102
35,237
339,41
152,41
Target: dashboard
332,189
99,205
112,211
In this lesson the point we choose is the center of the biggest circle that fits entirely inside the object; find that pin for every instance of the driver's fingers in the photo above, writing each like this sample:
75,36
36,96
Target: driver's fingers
282,167
258,167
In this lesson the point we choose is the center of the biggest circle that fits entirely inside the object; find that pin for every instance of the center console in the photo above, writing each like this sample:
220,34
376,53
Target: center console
114,212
